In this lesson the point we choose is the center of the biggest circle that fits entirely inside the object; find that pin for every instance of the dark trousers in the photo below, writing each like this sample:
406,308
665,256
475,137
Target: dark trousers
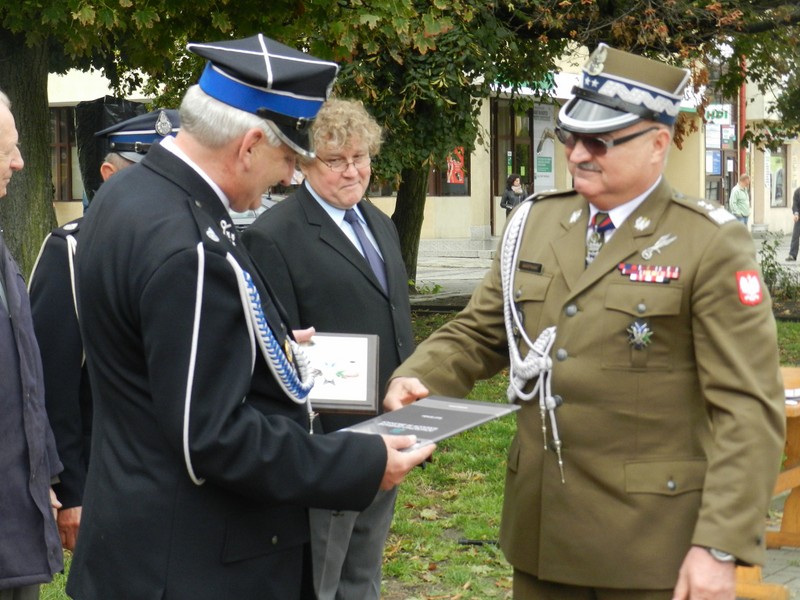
795,239
28,592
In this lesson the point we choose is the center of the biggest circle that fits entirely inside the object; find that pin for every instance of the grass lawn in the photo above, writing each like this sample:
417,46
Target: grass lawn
442,542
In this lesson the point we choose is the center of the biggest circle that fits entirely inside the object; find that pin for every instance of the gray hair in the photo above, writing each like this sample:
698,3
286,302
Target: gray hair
215,123
4,100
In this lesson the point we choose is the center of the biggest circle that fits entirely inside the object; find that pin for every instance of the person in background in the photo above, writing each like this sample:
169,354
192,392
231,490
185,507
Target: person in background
203,467
739,200
796,229
55,319
642,348
312,247
30,552
513,194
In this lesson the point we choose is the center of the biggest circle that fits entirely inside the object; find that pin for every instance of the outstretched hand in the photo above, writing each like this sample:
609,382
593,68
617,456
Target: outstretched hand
402,391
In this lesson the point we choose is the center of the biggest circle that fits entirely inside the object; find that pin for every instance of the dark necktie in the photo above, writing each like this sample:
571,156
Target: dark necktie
601,222
373,258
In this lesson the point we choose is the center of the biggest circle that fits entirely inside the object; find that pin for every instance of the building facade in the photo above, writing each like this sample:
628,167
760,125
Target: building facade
464,195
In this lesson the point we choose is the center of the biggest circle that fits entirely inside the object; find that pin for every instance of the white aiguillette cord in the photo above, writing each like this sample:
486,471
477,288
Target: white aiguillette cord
537,362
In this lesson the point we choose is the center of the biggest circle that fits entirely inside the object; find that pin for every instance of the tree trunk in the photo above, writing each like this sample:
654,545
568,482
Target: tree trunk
26,213
409,212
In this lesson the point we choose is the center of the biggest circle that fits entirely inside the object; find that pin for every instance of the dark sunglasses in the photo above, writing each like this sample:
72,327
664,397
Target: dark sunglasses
596,145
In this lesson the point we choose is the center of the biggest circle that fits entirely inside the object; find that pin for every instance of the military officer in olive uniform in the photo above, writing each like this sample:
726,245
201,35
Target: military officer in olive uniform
55,319
643,351
203,467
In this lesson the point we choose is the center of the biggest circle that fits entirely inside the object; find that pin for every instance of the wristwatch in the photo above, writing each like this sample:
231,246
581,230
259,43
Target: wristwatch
721,556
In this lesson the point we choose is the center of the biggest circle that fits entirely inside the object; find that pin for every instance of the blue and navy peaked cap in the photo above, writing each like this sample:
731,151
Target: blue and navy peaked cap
617,89
264,77
133,137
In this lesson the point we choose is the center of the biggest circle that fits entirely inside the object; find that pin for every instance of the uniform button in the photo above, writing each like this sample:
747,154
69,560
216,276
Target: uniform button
562,354
274,540
671,485
197,204
641,308
399,344
571,310
518,294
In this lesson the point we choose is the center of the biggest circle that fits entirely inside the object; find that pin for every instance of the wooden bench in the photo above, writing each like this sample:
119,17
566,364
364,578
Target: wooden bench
748,579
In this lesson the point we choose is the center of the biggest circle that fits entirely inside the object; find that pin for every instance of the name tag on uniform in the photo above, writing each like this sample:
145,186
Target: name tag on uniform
530,267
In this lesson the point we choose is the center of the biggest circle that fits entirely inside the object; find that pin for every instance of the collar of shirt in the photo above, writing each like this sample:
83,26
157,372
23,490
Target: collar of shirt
168,143
337,215
620,213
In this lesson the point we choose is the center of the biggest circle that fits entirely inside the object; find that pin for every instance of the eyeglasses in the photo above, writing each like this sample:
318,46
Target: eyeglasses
596,145
340,165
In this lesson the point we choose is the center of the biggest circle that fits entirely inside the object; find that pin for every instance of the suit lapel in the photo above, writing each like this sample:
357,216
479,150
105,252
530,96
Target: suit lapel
331,234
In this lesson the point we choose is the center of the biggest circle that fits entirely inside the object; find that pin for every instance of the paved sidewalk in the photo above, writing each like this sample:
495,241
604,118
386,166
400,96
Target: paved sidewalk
457,278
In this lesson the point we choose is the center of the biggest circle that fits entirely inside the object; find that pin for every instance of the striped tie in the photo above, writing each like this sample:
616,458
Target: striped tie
601,222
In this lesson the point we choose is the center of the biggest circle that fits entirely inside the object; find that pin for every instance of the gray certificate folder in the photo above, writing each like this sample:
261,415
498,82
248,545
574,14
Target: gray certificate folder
434,418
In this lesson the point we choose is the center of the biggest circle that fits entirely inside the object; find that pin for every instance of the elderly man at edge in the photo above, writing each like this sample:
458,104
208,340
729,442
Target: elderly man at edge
30,552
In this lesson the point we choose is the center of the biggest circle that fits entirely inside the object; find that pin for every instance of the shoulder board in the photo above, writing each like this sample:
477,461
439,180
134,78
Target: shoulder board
710,209
550,195
70,228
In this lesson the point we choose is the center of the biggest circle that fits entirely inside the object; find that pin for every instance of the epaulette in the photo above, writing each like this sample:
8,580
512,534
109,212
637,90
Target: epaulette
66,229
712,210
550,195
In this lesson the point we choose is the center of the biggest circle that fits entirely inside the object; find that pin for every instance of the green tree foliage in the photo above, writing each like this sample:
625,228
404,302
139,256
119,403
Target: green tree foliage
422,66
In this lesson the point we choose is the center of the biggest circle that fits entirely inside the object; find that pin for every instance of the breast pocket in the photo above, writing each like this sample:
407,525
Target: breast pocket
529,293
640,326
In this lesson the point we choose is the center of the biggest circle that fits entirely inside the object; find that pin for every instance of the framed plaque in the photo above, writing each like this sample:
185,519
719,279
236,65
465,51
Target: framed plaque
345,371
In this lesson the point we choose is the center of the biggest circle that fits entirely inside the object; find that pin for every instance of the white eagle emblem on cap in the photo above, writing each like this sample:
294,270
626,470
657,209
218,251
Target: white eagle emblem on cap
596,61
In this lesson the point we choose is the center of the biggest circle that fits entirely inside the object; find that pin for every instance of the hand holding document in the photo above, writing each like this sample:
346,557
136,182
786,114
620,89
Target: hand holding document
434,418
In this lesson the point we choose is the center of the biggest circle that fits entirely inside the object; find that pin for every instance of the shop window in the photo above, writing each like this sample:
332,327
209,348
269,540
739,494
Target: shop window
67,183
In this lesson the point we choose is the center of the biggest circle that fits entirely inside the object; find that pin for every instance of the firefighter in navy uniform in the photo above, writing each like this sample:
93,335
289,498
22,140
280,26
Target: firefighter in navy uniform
55,319
203,467
642,346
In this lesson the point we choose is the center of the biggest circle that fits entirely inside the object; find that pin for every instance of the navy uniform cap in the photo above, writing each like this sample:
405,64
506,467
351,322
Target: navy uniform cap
133,137
617,89
266,78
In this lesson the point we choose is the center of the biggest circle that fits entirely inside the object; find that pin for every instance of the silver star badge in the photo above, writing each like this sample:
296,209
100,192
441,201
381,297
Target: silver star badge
639,335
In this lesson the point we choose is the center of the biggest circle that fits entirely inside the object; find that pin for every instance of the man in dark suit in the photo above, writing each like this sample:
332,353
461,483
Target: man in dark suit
202,465
642,348
55,319
321,273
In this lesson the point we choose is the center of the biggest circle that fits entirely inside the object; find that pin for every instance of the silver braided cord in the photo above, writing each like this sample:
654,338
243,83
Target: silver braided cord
536,364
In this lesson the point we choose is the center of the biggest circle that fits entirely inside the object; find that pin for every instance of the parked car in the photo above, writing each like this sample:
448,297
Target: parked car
242,219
